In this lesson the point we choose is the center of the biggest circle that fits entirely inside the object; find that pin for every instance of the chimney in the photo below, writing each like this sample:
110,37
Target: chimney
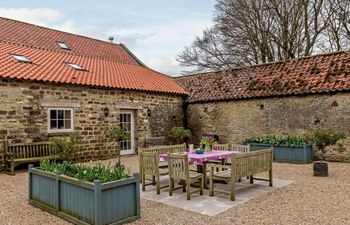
111,38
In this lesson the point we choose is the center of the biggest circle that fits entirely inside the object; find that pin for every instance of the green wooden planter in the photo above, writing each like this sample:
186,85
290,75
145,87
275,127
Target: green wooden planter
300,154
82,202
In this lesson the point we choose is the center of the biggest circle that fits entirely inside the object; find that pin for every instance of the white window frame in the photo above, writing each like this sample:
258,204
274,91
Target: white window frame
49,130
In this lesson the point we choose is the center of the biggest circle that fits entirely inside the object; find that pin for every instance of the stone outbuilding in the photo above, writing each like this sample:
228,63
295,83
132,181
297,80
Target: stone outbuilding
53,83
290,97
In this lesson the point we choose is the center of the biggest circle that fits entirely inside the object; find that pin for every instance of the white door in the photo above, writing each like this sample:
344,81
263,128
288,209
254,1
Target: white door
127,122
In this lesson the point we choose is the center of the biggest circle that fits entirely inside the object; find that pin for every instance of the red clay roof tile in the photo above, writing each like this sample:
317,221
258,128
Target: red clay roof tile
315,74
106,64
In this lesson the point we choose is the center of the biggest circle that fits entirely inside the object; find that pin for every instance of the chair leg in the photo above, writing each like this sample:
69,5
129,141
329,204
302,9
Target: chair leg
251,179
171,183
183,183
201,186
158,185
12,168
188,190
270,178
211,183
143,182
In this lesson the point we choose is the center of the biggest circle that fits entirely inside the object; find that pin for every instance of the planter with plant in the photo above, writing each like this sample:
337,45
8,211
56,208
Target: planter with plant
117,134
85,195
290,149
207,143
67,147
322,138
180,134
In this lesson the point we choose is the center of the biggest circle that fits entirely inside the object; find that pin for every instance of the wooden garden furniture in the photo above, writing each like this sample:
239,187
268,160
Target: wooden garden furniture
238,148
161,149
150,167
220,147
179,170
243,165
16,154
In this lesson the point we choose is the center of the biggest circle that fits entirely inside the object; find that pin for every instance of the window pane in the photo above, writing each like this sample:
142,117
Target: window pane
53,114
53,124
60,124
67,114
67,124
60,114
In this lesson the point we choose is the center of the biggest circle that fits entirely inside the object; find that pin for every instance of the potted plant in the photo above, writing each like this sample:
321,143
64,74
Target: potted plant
67,147
180,134
207,143
322,138
117,134
85,194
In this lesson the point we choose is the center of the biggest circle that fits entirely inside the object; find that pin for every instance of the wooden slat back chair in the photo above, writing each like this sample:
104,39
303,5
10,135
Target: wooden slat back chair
220,147
149,163
240,148
179,170
243,165
17,154
162,149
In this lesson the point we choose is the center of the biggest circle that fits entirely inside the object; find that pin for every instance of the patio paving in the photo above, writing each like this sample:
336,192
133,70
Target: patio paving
212,206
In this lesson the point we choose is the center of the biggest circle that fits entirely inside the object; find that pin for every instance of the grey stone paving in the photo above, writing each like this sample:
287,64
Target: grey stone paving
212,206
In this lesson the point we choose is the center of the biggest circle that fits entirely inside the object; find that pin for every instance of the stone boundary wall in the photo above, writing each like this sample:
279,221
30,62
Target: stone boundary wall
24,106
234,121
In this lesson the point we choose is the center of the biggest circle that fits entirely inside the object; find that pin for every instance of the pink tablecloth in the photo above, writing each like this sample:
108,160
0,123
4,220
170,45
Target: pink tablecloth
201,158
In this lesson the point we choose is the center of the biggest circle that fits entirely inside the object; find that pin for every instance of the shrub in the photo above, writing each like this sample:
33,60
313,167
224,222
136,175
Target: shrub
85,173
179,134
67,147
324,137
289,141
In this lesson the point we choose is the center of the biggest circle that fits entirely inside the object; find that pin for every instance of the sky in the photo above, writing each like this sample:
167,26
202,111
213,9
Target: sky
156,31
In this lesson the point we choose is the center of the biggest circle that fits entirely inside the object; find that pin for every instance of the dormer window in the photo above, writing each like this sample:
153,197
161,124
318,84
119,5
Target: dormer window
63,45
75,66
21,58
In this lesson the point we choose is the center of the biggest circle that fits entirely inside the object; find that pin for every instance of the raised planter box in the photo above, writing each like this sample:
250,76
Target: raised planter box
82,202
299,154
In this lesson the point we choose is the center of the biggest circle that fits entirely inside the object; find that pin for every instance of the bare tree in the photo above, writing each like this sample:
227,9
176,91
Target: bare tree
247,32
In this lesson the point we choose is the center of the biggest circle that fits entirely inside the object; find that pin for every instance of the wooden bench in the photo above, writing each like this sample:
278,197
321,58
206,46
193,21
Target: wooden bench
16,154
242,165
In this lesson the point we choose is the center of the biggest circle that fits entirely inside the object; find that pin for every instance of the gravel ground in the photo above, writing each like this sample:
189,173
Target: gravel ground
309,200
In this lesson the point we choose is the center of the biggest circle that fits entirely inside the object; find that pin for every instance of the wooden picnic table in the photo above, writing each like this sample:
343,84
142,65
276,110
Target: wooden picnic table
202,159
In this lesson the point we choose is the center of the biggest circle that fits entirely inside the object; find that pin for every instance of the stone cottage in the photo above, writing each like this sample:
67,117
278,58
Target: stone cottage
290,97
53,83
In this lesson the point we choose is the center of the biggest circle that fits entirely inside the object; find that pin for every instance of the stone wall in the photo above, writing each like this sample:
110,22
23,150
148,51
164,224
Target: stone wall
236,120
24,106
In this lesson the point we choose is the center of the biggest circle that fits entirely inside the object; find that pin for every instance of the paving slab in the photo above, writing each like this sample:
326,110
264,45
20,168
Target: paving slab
212,206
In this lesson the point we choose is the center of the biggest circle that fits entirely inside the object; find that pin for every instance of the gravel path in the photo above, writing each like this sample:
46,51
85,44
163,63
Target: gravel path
309,200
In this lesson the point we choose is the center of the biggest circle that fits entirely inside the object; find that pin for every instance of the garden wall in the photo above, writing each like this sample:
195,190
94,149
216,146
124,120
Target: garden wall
24,105
234,121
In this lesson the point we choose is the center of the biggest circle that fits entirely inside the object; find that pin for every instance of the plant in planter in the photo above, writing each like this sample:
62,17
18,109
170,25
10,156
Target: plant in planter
180,134
322,138
207,143
117,134
67,147
85,195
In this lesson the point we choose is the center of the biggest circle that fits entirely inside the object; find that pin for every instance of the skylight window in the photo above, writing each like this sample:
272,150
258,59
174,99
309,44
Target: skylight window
75,66
21,58
63,45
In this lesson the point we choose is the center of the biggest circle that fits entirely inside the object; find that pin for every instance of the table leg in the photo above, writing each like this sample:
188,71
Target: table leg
203,169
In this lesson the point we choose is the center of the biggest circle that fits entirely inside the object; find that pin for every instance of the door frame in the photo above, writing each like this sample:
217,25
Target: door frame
132,132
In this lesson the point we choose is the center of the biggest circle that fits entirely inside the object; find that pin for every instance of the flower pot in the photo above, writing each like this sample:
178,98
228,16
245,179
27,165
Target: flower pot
320,169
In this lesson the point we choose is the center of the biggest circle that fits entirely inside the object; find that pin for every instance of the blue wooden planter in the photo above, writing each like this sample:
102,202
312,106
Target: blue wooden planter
82,202
299,154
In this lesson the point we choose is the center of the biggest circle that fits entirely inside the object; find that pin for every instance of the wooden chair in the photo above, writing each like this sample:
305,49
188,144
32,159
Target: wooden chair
149,163
161,149
179,170
246,164
220,147
238,148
